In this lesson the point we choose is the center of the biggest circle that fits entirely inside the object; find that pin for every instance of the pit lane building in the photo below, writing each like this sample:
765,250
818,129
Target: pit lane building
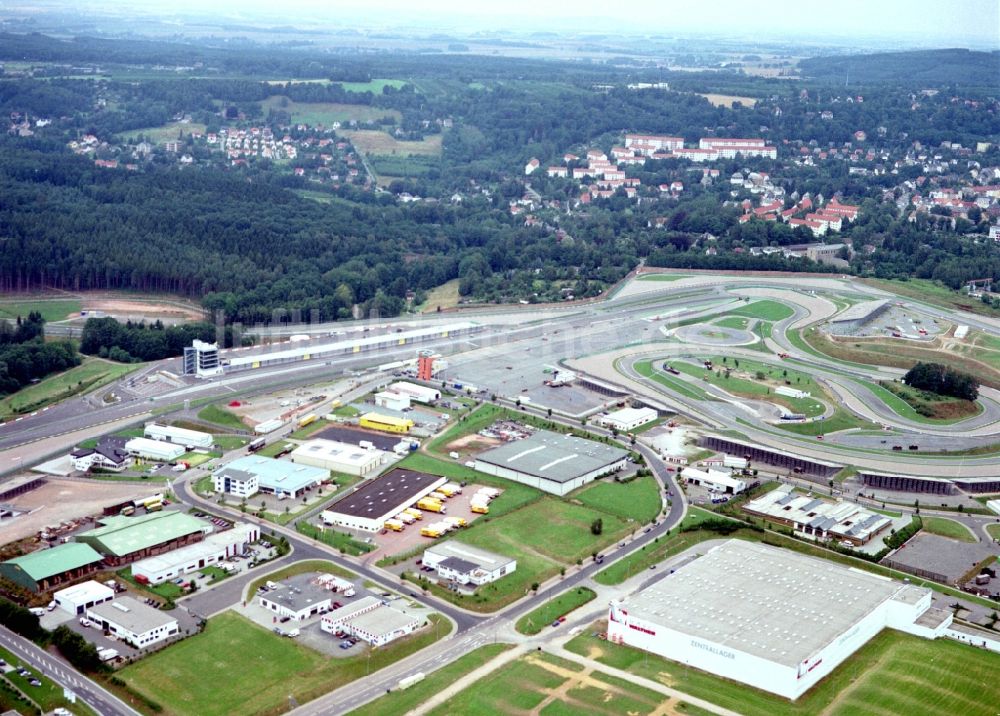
552,462
857,316
381,498
769,617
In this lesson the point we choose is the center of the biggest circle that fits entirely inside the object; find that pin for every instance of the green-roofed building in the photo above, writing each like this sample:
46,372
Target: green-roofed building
123,540
48,568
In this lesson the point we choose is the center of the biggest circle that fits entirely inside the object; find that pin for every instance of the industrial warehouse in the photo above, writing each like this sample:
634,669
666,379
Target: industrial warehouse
245,476
339,457
551,462
215,548
380,499
817,518
154,449
123,540
47,568
627,419
769,617
133,622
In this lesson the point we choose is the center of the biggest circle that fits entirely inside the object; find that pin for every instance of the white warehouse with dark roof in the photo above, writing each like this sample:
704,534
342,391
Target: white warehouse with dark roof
552,462
769,617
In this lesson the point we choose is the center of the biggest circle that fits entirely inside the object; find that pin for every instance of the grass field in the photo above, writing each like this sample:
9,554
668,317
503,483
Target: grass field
840,420
727,100
338,540
737,322
645,369
944,527
993,530
443,296
638,499
662,277
893,674
370,141
222,417
89,375
51,310
164,133
537,619
326,113
764,310
230,442
544,684
402,701
374,86
186,677
659,550
763,388
938,407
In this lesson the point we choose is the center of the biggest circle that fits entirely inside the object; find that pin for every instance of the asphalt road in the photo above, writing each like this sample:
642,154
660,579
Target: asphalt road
103,702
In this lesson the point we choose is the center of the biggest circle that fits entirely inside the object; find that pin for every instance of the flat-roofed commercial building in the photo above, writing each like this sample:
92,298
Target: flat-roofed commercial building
818,518
215,548
418,393
47,568
179,436
132,621
552,462
380,499
371,620
714,480
628,419
769,617
277,477
80,597
297,598
339,457
123,540
462,563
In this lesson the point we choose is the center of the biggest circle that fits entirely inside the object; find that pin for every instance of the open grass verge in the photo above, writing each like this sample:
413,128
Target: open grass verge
765,310
338,540
646,370
404,700
637,500
221,416
537,619
47,697
185,678
89,375
944,527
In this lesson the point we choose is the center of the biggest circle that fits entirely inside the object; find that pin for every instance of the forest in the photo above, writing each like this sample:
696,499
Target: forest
253,249
25,357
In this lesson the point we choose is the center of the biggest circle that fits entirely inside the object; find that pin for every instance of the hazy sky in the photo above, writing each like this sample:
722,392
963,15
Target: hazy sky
942,22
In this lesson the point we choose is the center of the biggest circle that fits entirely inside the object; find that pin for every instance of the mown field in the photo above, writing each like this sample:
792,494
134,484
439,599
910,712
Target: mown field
893,674
326,113
219,671
89,375
374,142
51,309
545,684
537,619
164,133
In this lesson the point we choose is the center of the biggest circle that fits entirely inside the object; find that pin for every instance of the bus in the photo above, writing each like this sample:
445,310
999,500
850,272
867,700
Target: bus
256,444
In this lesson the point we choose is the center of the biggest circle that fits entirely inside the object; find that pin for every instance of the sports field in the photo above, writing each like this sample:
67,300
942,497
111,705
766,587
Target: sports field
638,499
219,671
893,674
544,684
